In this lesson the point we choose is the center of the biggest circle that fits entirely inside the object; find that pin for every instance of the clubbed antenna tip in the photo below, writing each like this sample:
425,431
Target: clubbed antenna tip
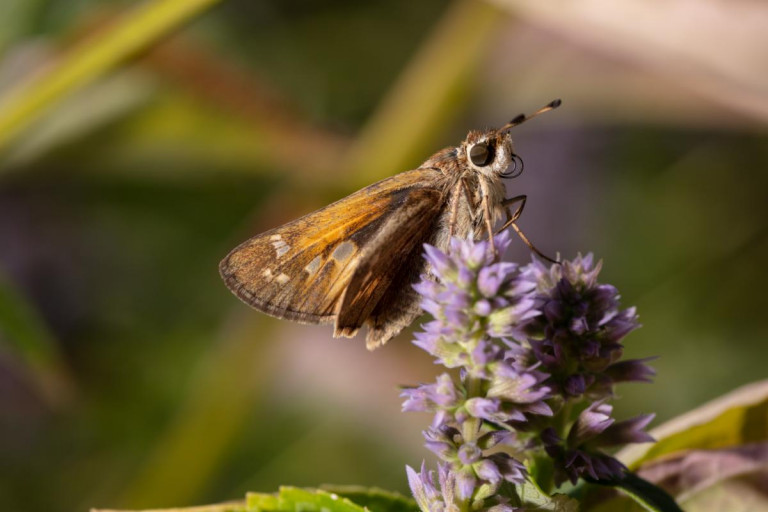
523,118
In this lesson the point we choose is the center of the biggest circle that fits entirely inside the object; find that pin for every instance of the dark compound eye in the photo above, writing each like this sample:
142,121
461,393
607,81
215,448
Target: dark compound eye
481,154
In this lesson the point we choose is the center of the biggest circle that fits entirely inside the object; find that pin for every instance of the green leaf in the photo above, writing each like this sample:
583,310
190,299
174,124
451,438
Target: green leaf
736,492
705,456
293,499
532,497
738,418
374,498
261,501
712,480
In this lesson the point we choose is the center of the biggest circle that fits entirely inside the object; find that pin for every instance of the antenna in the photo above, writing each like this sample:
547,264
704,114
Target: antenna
523,118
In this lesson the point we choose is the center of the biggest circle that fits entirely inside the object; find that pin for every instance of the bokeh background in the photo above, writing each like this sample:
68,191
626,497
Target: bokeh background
140,142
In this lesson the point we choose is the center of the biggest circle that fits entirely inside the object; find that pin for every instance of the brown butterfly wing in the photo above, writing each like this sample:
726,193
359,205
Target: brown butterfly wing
300,271
396,245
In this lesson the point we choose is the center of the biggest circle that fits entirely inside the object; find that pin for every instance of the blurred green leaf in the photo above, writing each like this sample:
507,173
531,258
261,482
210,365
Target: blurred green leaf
16,18
140,28
85,112
742,491
738,418
28,338
705,479
219,507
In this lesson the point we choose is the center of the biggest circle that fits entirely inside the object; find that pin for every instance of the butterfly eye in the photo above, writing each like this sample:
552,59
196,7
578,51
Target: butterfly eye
481,154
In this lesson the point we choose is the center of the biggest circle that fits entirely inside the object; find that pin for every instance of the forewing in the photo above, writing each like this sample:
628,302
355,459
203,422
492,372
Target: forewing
299,271
382,258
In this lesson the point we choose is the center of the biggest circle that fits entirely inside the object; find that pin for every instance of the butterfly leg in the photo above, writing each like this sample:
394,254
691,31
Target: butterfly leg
468,196
454,209
487,217
512,218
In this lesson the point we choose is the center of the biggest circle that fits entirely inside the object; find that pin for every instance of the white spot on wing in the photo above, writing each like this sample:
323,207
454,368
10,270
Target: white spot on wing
344,251
268,274
313,265
280,246
282,278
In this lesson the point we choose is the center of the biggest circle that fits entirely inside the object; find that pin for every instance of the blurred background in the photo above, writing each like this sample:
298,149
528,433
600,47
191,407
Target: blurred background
140,142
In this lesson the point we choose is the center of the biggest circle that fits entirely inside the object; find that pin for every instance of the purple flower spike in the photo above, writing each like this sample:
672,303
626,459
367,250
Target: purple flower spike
581,328
538,353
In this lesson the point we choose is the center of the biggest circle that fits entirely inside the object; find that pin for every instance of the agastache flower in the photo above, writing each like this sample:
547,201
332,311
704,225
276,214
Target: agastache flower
480,305
473,297
526,342
579,455
578,337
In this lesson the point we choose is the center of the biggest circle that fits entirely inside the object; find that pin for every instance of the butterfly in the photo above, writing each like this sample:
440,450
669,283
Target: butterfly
353,263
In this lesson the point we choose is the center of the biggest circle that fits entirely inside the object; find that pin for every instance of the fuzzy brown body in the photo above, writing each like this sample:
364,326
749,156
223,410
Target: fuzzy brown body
354,262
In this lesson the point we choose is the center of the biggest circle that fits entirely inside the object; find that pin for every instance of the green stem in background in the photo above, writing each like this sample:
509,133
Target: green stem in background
427,94
213,414
91,59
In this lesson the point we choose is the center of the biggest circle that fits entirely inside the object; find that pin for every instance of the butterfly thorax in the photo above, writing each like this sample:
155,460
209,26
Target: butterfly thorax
467,188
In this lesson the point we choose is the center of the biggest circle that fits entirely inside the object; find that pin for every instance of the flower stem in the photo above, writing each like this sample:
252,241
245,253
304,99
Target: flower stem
471,426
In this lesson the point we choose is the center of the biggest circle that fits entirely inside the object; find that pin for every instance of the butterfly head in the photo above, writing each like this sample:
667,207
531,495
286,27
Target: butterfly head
491,153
